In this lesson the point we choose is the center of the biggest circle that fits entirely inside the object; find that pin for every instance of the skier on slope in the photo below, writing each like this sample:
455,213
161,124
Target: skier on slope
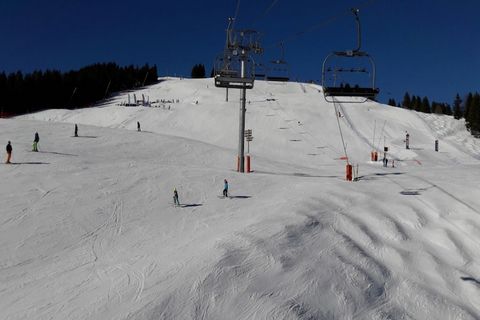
138,126
9,152
225,188
76,130
35,142
175,197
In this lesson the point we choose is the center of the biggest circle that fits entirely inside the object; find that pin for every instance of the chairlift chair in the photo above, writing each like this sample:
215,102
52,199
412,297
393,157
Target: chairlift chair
260,71
349,75
228,71
279,69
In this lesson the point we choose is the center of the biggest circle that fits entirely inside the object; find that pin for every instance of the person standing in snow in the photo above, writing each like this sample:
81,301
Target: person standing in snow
225,188
407,141
35,142
175,197
9,152
76,130
138,126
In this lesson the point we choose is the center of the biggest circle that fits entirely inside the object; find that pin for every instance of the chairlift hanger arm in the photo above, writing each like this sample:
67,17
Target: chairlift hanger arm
355,12
231,22
282,52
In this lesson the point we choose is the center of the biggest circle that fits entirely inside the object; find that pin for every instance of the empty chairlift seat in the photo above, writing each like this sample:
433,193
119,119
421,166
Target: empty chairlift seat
349,73
278,70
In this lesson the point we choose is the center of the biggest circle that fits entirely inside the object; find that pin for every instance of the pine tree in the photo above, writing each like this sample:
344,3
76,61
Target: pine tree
437,107
391,102
475,115
198,71
407,102
446,109
425,106
194,71
416,103
457,111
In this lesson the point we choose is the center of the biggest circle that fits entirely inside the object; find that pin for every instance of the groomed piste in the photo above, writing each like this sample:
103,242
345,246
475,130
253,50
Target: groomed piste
88,228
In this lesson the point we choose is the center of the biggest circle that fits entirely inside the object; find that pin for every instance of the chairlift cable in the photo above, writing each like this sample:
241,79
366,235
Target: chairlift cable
340,129
259,16
322,24
237,10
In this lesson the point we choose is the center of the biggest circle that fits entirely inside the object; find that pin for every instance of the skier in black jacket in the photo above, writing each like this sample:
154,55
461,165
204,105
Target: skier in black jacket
35,142
9,152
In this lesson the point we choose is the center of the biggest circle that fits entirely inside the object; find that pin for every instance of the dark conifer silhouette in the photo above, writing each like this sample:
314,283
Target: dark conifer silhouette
198,71
457,111
52,89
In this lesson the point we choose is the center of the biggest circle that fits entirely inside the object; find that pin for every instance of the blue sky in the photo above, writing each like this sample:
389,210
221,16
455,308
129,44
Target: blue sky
427,47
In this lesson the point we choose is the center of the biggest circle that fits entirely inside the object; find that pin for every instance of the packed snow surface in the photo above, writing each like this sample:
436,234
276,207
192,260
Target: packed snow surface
88,229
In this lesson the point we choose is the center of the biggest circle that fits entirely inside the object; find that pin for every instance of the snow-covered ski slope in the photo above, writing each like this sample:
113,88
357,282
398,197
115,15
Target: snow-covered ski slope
88,229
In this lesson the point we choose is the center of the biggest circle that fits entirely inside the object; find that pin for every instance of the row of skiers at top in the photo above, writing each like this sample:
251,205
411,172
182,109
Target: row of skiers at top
176,200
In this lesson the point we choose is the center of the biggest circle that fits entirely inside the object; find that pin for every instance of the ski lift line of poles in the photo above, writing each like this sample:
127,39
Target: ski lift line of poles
324,23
